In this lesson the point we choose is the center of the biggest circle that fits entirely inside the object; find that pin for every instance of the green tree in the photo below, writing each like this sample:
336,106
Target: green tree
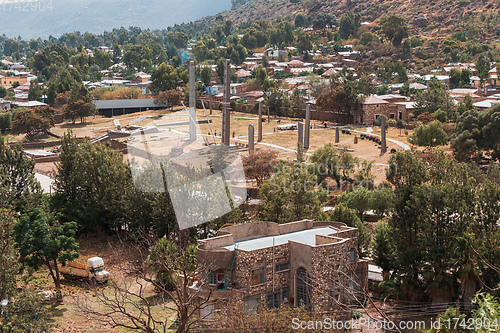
382,199
19,188
32,121
25,313
466,140
433,98
482,67
290,195
322,20
441,115
300,20
367,37
9,265
488,310
5,121
430,135
359,200
400,124
325,163
78,109
260,74
303,43
394,28
44,241
90,184
206,75
437,202
3,92
35,93
382,252
346,215
349,23
167,77
297,103
342,100
168,98
278,101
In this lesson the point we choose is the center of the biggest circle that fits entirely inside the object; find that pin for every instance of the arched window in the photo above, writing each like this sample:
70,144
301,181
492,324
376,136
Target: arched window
302,288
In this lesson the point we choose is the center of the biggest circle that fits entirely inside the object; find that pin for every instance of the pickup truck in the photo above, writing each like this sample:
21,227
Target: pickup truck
93,271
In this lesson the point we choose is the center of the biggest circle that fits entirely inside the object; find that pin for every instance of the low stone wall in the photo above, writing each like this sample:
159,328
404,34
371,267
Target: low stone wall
47,159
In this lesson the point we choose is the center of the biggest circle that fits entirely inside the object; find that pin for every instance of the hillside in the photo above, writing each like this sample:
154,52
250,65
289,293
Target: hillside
436,18
96,16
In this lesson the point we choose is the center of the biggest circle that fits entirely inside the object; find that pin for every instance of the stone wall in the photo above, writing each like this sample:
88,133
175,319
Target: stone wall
328,264
370,111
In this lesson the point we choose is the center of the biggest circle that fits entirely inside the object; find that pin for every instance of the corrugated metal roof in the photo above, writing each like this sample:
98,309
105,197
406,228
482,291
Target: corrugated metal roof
303,236
125,103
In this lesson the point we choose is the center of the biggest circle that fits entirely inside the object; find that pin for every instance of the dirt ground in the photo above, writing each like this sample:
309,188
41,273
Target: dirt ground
68,317
284,142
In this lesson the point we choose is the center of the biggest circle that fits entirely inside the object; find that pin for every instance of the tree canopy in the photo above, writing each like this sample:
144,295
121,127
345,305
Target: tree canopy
395,29
44,241
32,121
430,135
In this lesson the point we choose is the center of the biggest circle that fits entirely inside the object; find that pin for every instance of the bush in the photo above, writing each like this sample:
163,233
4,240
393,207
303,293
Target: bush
232,105
441,116
415,41
244,108
5,120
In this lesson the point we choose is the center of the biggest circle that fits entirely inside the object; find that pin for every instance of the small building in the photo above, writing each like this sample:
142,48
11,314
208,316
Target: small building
114,107
10,80
28,104
265,264
373,107
141,77
5,105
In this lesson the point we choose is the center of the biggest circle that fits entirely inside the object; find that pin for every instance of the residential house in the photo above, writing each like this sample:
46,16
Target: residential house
460,93
373,107
9,80
493,76
141,77
475,81
5,105
486,104
264,264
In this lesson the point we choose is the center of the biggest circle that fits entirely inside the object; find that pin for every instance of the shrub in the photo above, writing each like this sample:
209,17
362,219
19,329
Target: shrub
5,120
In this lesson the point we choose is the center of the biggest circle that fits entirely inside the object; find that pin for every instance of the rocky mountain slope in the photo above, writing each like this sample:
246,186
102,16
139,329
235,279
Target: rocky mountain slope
438,18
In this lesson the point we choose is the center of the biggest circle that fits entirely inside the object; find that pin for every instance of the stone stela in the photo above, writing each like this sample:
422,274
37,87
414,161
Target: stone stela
226,111
192,102
251,146
300,128
307,126
259,125
383,142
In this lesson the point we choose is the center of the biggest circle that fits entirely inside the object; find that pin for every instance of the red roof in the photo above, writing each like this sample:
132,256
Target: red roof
374,100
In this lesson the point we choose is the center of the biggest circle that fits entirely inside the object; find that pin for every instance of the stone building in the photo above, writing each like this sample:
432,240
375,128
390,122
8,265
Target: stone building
303,263
373,107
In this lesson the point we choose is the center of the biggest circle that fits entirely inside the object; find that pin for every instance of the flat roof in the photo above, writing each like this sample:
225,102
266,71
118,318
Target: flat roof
126,103
303,236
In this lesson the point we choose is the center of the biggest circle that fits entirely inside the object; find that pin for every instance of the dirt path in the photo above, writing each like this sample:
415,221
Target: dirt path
369,131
